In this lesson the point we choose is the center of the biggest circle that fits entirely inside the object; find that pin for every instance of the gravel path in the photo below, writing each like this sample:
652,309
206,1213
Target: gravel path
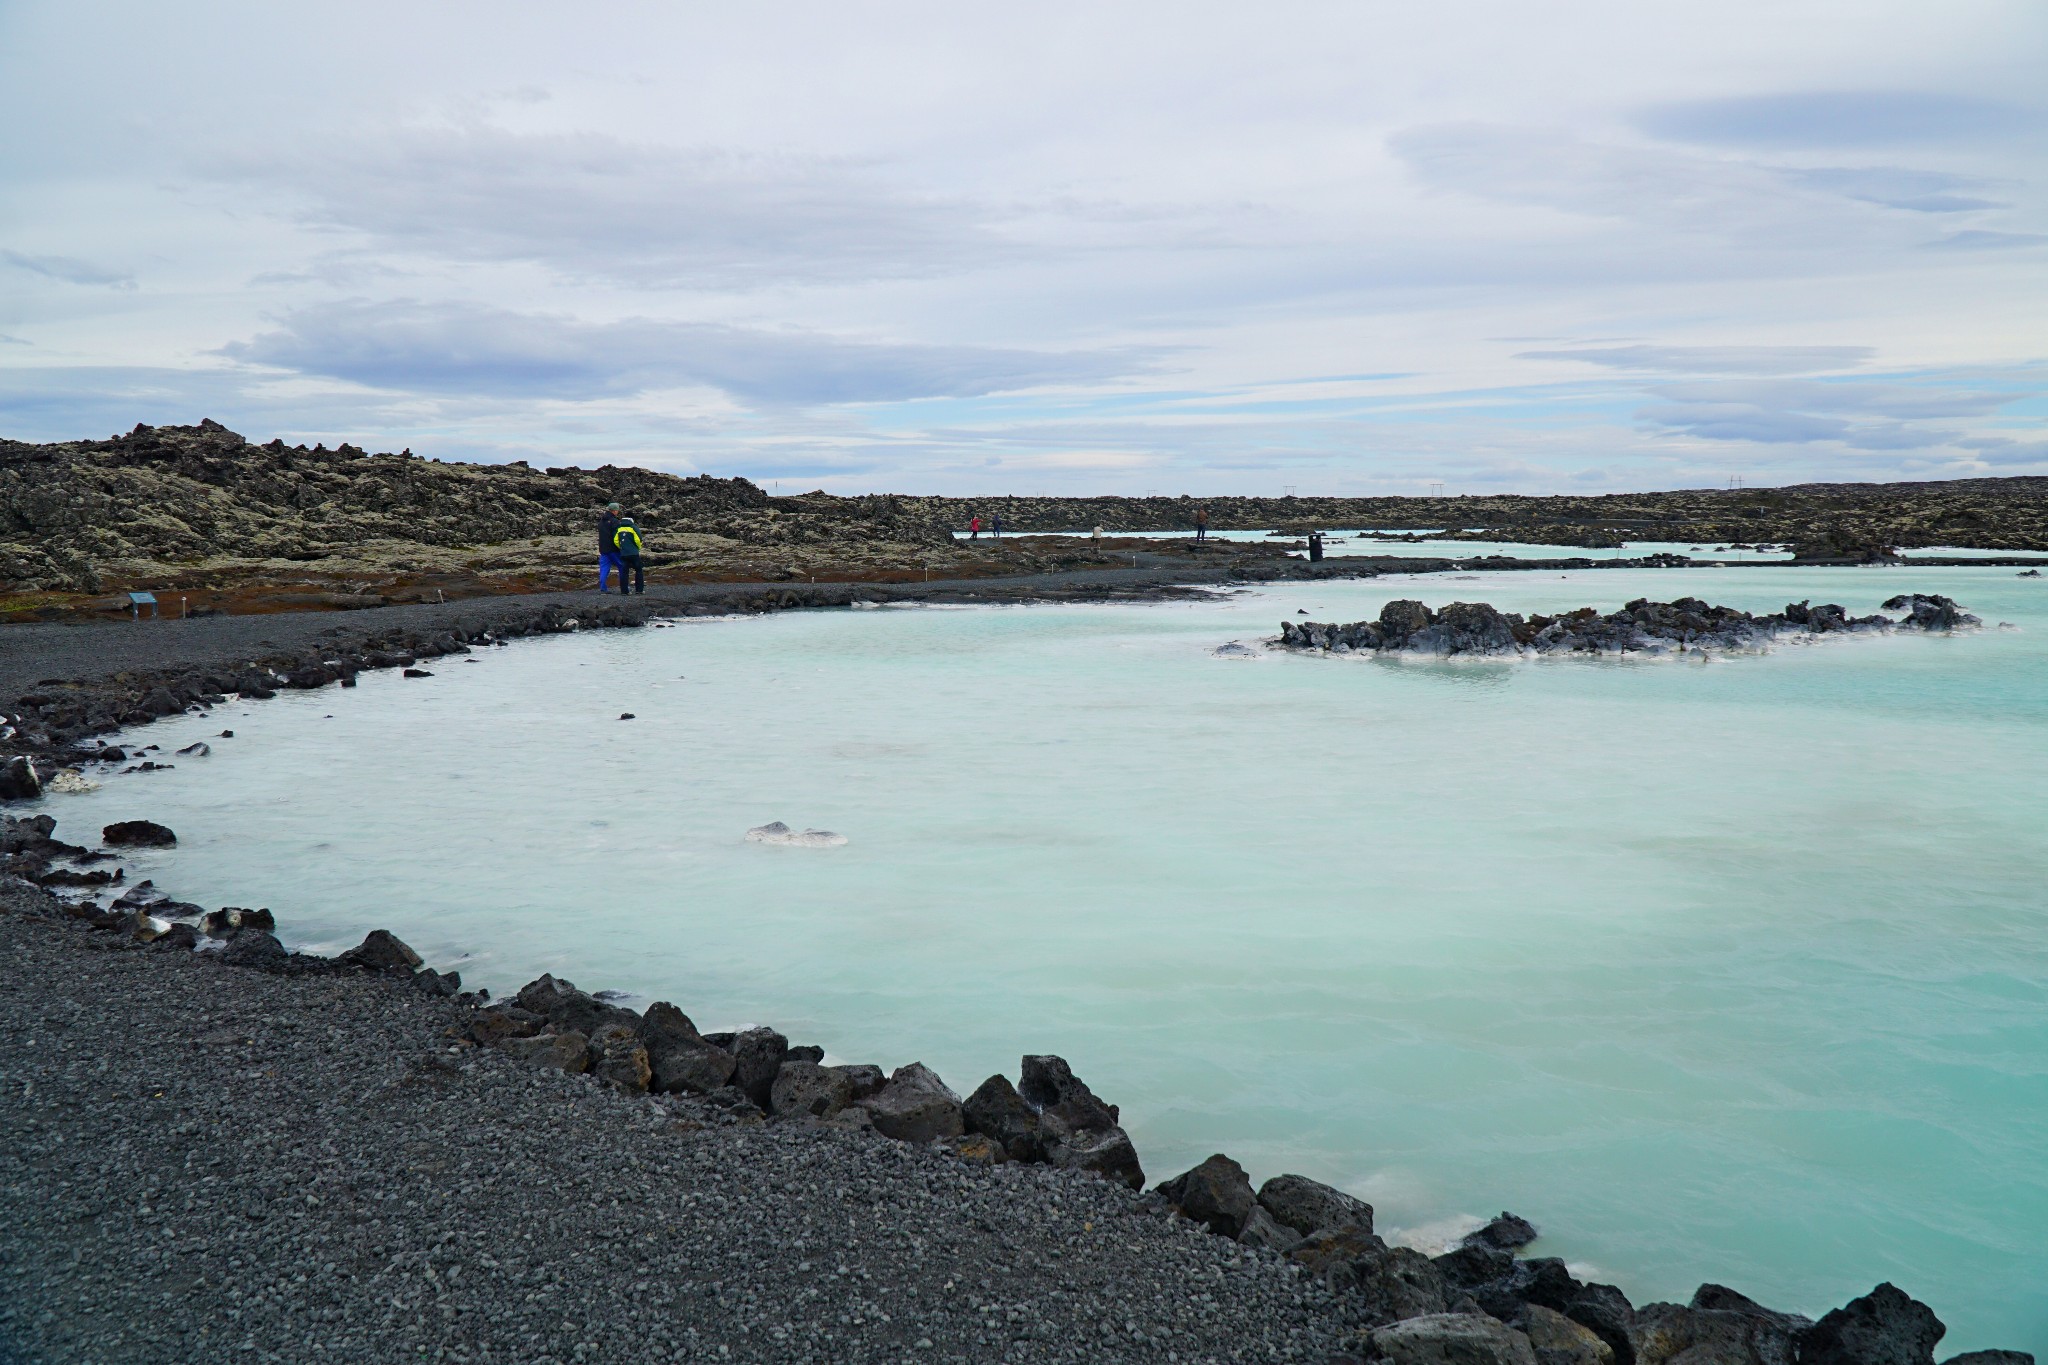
204,1164
33,652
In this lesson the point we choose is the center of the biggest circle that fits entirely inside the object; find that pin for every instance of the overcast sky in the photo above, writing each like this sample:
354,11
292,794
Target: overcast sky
1339,247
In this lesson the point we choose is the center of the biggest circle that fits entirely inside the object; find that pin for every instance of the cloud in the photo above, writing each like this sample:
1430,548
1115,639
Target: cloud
68,270
1836,118
2003,450
1677,195
471,349
1875,413
1982,240
592,206
1742,422
1713,359
1899,187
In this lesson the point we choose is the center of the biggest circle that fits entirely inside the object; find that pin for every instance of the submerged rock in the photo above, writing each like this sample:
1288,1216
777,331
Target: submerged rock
1508,1232
775,832
138,834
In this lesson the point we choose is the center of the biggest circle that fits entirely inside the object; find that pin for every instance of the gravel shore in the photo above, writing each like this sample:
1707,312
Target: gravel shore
204,1164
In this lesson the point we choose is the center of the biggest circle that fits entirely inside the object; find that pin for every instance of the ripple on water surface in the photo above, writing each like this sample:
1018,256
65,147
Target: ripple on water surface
1726,971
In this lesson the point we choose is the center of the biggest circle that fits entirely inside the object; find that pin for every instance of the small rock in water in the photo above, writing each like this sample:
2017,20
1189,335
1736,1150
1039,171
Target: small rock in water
416,673
626,715
198,749
227,734
138,834
1234,650
775,832
72,781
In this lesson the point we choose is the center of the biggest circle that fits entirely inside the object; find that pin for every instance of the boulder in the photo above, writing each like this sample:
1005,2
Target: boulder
1887,1326
500,1022
1261,1231
805,1053
664,1022
619,1058
1327,1248
1663,1332
1993,1357
1540,1280
809,1088
137,834
18,781
1507,1232
757,1056
1399,620
864,1078
1107,1152
1773,1336
682,1061
998,1112
1047,1082
1216,1193
1452,1339
567,1009
1393,1284
255,950
916,1106
1466,628
382,951
1474,1264
1307,1205
1557,1340
568,1052
1605,1311
178,936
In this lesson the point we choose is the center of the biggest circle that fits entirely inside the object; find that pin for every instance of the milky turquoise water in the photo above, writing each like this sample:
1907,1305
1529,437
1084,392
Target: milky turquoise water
1350,543
1732,971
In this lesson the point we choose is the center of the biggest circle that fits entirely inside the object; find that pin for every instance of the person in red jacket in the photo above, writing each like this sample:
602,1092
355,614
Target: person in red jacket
974,527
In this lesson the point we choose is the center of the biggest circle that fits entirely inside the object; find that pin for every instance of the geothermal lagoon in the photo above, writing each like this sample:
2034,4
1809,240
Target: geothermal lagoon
1729,970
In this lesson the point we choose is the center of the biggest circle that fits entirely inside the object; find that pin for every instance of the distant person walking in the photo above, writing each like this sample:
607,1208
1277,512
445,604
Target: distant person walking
608,549
1315,545
627,538
995,525
1201,523
974,527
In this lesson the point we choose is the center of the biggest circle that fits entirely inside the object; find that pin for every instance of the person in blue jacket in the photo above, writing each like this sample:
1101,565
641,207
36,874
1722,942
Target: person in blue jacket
608,549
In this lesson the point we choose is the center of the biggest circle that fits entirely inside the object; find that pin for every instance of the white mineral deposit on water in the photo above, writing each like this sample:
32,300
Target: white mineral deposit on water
1733,970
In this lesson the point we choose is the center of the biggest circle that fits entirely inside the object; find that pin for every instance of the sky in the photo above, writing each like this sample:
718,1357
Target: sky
1329,248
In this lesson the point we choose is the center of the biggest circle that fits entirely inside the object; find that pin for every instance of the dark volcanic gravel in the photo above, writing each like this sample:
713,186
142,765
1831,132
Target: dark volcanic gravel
199,1163
33,652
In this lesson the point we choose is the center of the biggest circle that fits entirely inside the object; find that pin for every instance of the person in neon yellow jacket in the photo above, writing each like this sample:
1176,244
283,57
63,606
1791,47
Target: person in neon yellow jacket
627,546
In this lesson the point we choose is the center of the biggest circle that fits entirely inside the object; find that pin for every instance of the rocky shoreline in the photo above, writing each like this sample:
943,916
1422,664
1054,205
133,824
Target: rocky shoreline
1319,1283
1641,627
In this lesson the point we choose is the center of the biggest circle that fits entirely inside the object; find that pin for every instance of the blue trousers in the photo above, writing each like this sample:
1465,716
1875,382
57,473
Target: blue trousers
605,564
